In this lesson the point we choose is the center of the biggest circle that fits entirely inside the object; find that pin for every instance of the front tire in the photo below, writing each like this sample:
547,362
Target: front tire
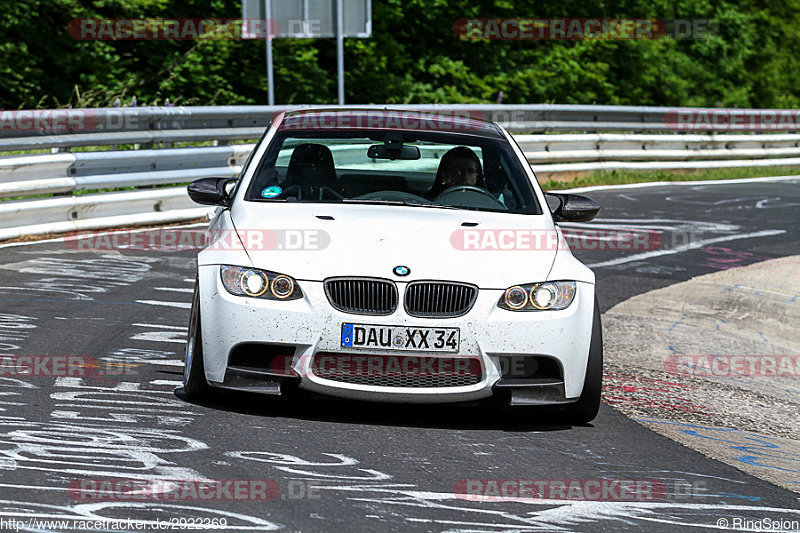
586,408
195,386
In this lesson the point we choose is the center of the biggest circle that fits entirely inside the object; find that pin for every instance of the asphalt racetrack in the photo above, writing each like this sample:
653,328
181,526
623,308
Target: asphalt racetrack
349,466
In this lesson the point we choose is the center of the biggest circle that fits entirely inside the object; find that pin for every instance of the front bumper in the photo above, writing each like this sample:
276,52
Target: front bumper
310,325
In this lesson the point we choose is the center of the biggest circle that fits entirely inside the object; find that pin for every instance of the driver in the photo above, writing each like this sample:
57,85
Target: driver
460,166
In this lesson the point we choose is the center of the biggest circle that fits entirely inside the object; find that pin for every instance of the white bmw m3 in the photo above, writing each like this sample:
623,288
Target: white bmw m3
393,256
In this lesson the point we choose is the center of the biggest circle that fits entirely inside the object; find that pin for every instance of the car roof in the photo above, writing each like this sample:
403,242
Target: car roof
390,119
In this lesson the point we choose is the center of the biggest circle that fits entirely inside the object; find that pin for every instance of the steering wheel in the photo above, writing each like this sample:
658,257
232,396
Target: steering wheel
452,191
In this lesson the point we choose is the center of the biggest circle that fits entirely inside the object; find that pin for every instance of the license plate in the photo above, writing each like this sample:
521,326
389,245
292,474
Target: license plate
411,338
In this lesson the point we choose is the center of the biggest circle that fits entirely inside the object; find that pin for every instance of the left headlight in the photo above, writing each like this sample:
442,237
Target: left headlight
548,296
257,283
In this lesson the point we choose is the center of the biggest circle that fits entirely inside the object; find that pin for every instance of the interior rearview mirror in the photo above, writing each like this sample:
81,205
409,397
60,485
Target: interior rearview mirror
381,151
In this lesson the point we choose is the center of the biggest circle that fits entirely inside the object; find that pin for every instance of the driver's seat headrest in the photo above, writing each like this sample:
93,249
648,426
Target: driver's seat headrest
311,166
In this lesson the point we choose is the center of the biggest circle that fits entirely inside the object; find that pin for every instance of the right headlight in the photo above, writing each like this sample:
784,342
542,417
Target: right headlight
257,283
547,296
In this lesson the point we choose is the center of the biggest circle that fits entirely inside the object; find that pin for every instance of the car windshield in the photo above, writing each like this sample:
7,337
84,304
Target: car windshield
396,168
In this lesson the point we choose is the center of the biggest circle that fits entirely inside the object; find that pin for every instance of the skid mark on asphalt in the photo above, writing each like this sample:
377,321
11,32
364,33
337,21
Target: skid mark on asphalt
125,431
138,356
684,248
100,428
669,237
173,334
384,500
313,469
78,279
14,330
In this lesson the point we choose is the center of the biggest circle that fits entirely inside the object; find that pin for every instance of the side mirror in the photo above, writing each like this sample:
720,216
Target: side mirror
210,191
574,207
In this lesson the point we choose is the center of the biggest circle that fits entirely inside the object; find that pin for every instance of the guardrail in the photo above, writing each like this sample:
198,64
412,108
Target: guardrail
555,155
25,130
67,175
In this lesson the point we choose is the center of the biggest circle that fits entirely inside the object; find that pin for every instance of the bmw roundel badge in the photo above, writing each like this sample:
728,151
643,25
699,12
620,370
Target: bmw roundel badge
402,270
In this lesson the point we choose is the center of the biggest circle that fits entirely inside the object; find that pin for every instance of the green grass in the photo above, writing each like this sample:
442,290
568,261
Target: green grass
618,177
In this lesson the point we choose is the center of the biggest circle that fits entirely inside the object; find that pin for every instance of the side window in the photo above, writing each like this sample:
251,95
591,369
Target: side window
247,163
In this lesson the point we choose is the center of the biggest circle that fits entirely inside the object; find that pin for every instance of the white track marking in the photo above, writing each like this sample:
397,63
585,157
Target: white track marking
174,334
91,234
181,305
168,362
679,183
161,336
652,223
684,248
174,289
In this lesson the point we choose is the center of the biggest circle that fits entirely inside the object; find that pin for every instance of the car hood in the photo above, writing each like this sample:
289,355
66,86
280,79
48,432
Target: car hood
318,241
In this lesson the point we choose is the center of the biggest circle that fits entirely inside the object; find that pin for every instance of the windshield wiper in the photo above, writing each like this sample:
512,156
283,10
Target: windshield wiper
408,203
375,202
437,206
